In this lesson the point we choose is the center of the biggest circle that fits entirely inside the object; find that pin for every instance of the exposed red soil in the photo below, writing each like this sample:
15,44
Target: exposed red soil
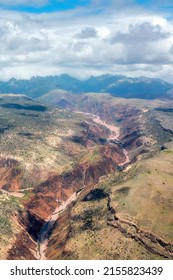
23,249
10,174
58,188
61,187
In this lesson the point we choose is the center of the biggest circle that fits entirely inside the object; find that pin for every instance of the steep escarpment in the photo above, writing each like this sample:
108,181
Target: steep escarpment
24,248
10,174
91,134
57,189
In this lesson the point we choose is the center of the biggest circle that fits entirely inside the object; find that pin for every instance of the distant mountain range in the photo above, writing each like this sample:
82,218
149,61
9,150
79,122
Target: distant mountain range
116,85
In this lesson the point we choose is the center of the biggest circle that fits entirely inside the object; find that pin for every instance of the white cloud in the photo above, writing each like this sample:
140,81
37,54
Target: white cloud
83,43
87,32
142,33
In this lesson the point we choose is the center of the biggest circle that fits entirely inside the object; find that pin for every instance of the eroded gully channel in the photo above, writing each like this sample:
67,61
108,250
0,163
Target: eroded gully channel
49,224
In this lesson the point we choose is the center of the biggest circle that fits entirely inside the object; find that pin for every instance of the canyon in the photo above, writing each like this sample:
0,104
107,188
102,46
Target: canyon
104,140
65,189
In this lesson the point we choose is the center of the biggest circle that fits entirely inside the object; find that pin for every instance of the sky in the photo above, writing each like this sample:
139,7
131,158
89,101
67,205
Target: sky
86,37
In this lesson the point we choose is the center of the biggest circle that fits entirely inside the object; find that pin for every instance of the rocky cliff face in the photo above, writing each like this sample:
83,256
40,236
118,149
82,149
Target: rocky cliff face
10,174
131,120
91,134
49,195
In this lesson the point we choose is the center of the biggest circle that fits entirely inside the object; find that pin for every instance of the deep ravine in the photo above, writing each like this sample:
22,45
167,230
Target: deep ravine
49,224
148,240
44,234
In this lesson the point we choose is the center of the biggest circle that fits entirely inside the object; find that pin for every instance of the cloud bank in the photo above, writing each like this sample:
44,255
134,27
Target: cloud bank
84,42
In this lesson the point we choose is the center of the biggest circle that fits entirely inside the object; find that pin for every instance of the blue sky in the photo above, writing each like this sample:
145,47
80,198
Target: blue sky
46,6
86,37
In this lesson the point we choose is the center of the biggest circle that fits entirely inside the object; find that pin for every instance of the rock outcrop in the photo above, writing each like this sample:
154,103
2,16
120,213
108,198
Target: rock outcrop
10,174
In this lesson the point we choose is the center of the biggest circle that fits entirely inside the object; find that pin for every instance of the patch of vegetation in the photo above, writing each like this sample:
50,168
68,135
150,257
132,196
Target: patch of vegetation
27,134
168,151
157,129
169,110
39,108
95,194
5,228
5,128
165,119
92,157
124,190
8,206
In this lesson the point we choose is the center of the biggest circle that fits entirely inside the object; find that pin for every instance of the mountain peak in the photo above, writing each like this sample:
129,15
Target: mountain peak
116,85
